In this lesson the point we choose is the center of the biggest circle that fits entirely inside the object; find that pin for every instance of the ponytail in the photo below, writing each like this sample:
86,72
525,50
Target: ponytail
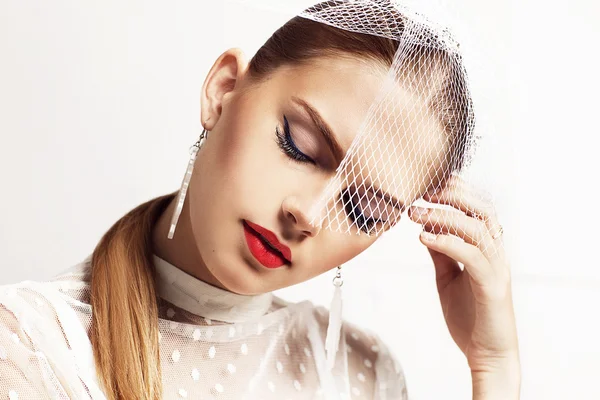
124,331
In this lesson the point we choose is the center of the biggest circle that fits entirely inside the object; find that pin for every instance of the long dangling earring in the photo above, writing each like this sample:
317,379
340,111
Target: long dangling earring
186,182
332,341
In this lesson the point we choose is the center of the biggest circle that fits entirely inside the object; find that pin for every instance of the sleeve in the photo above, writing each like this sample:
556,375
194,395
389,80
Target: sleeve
32,349
21,367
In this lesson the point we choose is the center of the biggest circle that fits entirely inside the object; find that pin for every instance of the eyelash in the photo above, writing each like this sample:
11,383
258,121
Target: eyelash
355,214
287,145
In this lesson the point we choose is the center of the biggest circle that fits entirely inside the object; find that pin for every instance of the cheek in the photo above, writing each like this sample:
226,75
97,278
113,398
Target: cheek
246,133
247,161
233,146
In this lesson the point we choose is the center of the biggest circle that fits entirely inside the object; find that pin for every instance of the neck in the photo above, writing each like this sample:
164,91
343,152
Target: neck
181,251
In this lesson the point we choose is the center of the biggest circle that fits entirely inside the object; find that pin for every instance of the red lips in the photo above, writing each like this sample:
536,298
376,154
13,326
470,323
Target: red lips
265,246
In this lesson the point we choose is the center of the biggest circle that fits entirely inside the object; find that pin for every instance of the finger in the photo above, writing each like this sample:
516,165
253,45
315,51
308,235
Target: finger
471,230
464,197
476,264
446,268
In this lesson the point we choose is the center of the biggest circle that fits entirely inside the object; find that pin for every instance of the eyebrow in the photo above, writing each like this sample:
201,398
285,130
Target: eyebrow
337,151
323,127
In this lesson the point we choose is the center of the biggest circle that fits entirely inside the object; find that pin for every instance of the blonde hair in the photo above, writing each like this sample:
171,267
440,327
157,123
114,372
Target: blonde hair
124,330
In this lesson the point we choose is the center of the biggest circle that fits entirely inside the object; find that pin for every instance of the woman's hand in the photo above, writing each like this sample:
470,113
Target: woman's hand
477,300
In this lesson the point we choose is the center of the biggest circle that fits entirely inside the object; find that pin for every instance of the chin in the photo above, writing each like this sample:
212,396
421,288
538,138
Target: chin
236,275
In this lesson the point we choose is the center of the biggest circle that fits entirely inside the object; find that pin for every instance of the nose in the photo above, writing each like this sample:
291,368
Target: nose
298,216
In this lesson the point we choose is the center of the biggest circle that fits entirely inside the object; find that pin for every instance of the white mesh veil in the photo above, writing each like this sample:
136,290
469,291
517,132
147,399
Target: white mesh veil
398,151
418,136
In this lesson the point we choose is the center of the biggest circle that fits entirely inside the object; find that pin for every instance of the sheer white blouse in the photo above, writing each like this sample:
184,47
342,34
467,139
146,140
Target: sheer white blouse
214,344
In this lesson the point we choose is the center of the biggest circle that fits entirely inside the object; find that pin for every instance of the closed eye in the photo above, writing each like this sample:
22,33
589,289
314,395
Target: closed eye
356,214
287,145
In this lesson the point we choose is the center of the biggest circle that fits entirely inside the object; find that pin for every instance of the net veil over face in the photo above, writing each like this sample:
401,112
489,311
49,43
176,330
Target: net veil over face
419,132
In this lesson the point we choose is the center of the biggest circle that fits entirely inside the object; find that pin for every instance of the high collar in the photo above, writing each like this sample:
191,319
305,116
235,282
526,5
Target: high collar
205,300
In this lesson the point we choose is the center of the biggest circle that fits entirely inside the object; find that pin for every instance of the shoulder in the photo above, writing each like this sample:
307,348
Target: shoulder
373,369
31,297
31,305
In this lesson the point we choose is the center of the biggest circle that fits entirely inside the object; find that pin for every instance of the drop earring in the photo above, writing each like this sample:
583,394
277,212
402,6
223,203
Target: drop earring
332,341
186,182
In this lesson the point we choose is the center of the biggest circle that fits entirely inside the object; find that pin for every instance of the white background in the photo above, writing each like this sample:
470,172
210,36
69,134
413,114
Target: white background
99,103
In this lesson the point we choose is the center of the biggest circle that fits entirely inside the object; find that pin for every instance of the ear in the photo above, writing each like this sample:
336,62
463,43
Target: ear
220,82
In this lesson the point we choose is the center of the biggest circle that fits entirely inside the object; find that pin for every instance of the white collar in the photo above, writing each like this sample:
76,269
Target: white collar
205,300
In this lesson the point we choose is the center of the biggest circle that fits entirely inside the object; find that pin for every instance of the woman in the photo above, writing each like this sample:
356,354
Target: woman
175,301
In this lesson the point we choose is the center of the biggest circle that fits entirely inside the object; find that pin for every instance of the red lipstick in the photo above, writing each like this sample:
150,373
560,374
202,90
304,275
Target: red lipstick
265,246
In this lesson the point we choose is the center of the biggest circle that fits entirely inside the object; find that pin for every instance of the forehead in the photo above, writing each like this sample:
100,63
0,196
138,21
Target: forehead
390,137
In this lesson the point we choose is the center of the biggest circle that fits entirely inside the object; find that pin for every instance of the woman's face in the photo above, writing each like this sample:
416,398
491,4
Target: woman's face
265,163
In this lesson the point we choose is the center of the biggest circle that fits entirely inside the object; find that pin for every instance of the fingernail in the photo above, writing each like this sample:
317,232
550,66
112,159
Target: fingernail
428,237
420,211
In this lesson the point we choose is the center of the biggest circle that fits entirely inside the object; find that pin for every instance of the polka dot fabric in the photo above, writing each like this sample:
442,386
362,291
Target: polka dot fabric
45,351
